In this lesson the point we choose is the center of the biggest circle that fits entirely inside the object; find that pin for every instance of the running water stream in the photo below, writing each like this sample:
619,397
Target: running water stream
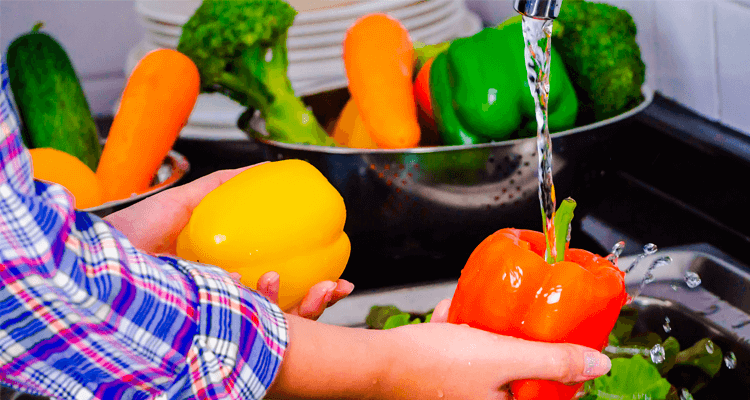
537,36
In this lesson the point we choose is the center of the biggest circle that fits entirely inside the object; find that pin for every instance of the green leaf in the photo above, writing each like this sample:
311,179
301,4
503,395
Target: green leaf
630,379
647,340
379,315
671,349
395,321
623,326
704,354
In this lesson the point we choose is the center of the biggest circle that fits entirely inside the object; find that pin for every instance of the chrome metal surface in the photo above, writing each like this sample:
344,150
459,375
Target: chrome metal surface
542,9
429,201
719,309
173,169
722,300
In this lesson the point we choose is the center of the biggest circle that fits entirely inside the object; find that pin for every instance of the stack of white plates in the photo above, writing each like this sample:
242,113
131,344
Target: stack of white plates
314,45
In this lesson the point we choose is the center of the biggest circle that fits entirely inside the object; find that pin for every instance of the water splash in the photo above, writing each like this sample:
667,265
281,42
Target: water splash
648,277
537,36
685,394
648,250
617,249
657,354
692,279
710,347
730,360
666,326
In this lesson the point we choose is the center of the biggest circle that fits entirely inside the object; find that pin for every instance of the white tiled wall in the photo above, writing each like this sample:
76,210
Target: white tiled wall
697,51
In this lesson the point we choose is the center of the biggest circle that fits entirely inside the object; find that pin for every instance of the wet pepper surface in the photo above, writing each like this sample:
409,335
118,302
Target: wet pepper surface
507,288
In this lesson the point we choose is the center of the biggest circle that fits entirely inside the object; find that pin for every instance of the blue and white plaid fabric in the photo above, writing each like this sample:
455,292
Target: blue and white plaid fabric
85,315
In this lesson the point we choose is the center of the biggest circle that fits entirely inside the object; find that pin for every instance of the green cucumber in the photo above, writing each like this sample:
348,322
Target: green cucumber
51,103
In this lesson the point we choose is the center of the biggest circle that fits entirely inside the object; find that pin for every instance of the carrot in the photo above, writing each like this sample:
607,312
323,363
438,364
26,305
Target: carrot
422,92
350,131
155,105
379,63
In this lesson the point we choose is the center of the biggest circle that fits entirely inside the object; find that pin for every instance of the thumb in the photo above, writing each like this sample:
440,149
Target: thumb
561,362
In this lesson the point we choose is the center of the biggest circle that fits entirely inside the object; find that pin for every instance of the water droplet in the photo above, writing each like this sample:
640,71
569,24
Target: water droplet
440,393
675,287
710,347
692,279
666,326
660,263
657,354
648,278
649,249
685,394
730,360
616,252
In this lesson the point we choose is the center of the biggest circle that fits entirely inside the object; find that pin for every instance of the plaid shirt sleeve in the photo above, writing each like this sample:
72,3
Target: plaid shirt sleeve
85,315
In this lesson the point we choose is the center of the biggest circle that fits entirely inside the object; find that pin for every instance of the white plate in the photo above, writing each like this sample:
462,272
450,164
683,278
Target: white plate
414,10
412,24
303,36
177,12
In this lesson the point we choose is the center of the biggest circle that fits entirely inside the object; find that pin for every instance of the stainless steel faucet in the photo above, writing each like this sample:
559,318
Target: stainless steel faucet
541,9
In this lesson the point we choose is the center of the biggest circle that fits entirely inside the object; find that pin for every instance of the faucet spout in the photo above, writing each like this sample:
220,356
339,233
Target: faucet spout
540,9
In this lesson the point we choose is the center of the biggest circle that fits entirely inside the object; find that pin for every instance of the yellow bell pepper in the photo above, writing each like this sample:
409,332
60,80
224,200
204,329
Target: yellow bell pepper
281,216
350,131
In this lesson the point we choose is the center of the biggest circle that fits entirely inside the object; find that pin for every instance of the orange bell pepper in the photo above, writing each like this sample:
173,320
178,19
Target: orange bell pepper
507,287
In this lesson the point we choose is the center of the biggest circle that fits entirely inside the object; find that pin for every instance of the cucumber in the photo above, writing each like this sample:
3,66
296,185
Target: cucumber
51,104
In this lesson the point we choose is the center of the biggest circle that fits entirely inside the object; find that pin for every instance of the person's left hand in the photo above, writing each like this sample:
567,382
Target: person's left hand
153,224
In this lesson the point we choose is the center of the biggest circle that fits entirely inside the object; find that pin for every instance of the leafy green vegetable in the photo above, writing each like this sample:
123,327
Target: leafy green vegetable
704,355
671,349
387,317
623,326
240,50
379,315
630,378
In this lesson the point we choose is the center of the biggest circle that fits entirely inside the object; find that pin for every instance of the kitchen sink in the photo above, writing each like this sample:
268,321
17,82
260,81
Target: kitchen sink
718,308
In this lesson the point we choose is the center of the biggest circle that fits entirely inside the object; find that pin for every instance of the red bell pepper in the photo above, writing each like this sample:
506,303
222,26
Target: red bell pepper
507,287
422,92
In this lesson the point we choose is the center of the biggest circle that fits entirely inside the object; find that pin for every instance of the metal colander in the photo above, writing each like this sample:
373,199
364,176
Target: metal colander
439,200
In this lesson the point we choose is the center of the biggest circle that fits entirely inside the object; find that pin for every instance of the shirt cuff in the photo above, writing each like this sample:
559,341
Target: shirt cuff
240,340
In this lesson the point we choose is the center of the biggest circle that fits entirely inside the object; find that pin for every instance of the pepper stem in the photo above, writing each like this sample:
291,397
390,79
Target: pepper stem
37,26
563,218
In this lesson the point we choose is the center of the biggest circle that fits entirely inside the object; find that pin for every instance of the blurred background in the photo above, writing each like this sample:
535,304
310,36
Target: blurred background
696,51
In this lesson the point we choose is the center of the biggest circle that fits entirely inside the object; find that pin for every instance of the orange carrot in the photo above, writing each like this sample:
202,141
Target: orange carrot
379,62
155,105
350,131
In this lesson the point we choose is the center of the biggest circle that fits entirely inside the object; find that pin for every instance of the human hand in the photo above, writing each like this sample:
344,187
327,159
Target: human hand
456,361
321,296
153,224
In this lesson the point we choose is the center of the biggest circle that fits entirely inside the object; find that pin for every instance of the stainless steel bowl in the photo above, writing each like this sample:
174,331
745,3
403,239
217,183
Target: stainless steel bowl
434,201
172,170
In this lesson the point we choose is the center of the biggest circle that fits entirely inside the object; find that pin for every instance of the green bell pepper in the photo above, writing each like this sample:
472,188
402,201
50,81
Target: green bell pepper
480,91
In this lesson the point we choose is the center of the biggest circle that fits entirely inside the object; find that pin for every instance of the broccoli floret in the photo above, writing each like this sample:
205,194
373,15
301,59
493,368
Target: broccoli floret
240,50
597,44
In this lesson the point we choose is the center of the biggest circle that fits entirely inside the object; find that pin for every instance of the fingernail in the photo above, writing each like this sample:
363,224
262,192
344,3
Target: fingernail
348,286
329,291
595,364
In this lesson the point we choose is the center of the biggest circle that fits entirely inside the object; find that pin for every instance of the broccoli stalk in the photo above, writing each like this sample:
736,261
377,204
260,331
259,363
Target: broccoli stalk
240,50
